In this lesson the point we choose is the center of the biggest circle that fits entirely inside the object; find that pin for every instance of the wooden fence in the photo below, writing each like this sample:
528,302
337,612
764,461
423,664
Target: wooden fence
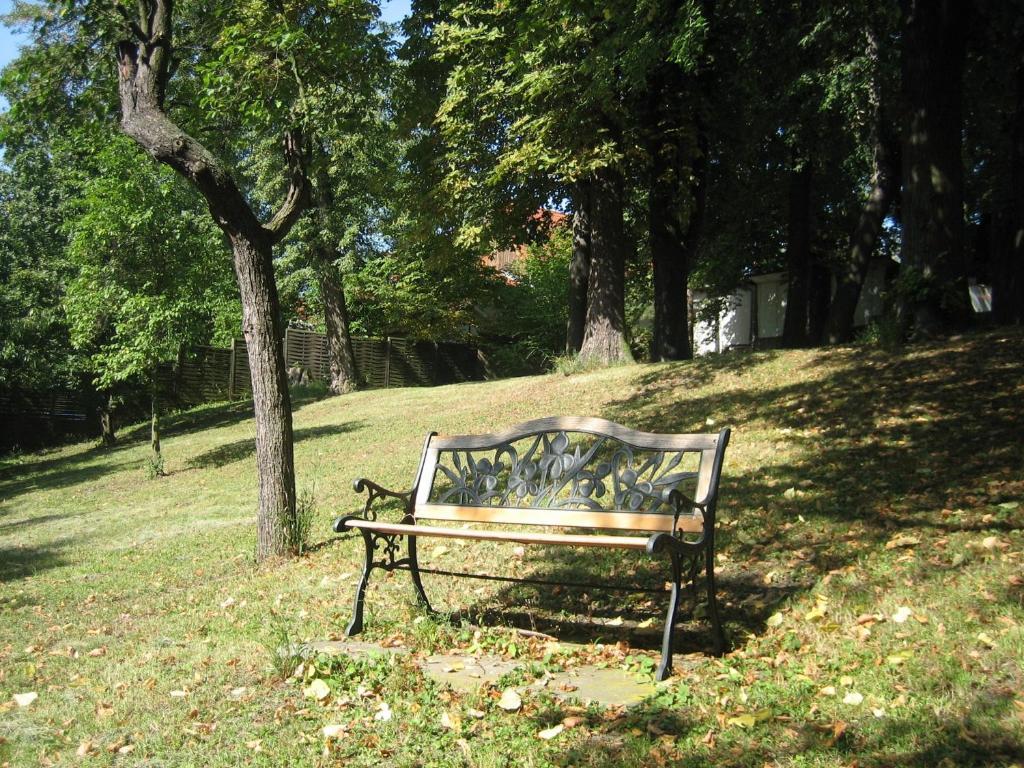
388,362
205,374
208,374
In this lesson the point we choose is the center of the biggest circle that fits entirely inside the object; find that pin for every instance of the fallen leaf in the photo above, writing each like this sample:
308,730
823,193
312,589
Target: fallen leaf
828,690
745,720
333,731
902,540
476,714
1009,505
902,614
383,713
317,689
101,651
228,603
853,698
846,681
25,699
85,748
898,658
438,551
550,733
510,700
572,721
775,619
986,640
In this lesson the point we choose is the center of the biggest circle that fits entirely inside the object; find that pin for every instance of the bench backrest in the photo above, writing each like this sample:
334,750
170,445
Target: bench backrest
570,471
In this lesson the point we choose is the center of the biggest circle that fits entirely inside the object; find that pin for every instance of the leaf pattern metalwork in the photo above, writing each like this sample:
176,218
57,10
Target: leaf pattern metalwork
562,470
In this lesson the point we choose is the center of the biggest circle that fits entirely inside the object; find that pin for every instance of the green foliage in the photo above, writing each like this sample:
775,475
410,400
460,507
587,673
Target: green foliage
532,311
151,274
35,348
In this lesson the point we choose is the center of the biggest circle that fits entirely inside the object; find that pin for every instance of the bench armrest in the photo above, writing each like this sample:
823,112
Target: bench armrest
373,492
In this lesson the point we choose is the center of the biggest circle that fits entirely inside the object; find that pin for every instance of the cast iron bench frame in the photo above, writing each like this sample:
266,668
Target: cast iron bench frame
682,527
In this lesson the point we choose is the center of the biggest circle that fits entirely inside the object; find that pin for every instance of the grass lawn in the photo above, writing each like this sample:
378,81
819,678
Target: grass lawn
871,559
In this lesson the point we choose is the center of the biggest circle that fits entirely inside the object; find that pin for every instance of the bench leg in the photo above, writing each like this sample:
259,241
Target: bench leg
665,668
718,635
414,570
356,625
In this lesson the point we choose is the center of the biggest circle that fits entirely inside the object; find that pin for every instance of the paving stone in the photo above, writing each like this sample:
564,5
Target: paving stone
609,687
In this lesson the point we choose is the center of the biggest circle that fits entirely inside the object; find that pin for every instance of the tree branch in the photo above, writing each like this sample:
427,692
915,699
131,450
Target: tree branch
297,198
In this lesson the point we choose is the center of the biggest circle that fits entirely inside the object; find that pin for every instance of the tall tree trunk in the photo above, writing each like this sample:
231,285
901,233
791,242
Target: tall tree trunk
143,70
604,338
932,257
341,357
1008,282
864,238
673,250
798,256
579,268
275,463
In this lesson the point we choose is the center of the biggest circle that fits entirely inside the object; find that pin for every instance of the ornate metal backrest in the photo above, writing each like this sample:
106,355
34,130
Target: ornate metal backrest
568,471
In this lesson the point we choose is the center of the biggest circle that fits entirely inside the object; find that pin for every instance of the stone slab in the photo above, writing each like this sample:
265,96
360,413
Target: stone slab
608,687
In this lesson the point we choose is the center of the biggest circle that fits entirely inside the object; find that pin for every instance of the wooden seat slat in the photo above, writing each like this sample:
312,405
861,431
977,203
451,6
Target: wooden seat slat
563,518
520,537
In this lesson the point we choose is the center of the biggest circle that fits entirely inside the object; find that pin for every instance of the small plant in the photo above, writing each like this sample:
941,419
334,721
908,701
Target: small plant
285,656
884,333
155,466
300,526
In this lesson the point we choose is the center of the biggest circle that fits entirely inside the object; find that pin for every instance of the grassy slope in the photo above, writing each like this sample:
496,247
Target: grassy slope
116,591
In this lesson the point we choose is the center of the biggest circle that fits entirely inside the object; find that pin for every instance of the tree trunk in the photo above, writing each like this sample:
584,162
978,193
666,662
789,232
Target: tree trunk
579,268
673,250
932,292
156,459
884,184
143,70
341,358
261,327
798,256
818,300
604,338
1008,275
106,412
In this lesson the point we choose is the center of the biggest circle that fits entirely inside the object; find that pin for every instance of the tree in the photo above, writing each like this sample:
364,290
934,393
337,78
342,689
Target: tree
149,274
883,187
262,64
932,293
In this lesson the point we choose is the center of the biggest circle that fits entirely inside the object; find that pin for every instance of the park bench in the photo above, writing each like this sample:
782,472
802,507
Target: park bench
587,482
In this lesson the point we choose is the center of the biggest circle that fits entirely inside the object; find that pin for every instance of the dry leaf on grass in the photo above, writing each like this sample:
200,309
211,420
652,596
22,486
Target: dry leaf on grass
510,700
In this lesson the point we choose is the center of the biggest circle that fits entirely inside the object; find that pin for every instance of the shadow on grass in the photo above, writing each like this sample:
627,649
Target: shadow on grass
48,473
238,450
52,474
975,738
21,562
873,444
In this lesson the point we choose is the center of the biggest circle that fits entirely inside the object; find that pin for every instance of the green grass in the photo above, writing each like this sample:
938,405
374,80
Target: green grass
858,483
